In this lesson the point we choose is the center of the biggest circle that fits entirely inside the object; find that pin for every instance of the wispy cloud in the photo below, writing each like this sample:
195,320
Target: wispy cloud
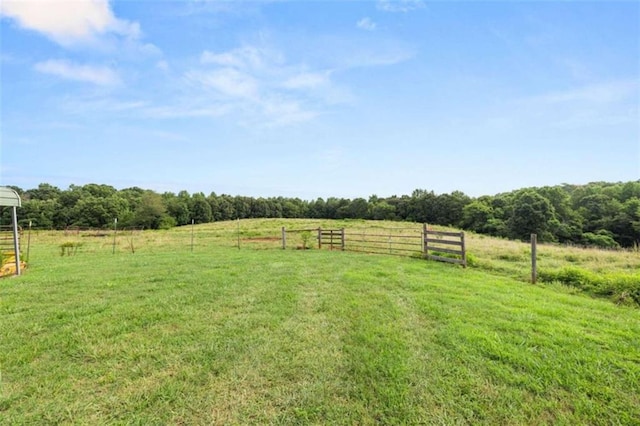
374,57
282,112
68,22
400,5
246,57
227,82
102,76
259,83
185,110
601,93
308,80
366,24
604,104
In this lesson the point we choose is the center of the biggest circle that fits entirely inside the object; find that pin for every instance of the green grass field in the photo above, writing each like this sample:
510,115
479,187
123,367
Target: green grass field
265,336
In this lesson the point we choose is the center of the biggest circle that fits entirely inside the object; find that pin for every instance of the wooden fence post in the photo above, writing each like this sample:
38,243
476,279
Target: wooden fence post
534,259
343,243
464,250
284,238
319,237
426,243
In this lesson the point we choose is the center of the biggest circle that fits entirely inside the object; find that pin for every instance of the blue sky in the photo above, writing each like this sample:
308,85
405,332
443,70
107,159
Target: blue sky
317,99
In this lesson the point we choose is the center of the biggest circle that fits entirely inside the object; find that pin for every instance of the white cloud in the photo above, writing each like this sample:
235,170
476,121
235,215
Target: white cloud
366,24
281,112
227,82
185,110
307,80
258,83
68,22
91,74
400,5
246,57
264,88
228,59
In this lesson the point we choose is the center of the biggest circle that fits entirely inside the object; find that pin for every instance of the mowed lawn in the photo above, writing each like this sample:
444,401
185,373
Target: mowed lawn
228,336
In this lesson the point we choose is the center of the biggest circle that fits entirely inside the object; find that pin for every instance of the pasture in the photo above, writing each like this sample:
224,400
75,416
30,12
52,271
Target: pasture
158,333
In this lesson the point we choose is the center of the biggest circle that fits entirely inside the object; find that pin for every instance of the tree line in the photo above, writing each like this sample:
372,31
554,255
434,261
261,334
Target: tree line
597,214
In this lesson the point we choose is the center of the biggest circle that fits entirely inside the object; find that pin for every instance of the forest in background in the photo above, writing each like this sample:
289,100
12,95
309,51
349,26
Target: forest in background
597,214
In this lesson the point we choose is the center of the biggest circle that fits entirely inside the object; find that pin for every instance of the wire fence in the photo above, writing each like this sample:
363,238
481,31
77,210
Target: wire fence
398,241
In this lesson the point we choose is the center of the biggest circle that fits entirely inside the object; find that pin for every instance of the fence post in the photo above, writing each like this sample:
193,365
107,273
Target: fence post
192,223
28,242
115,232
343,243
464,250
426,244
284,238
319,237
534,259
424,235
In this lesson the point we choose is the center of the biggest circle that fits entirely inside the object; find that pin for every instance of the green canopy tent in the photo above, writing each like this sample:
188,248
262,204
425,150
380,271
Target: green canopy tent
10,198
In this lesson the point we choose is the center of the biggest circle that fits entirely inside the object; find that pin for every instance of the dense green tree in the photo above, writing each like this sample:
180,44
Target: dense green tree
178,209
293,208
95,212
448,208
531,214
476,216
259,208
242,207
356,209
599,213
335,208
99,190
381,210
44,191
41,212
200,209
150,211
225,209
422,206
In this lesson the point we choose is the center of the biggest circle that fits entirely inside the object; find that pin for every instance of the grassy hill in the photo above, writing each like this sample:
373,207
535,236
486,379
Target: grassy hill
260,335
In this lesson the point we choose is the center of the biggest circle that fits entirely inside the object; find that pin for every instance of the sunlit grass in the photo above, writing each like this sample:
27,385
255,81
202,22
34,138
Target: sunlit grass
608,273
220,335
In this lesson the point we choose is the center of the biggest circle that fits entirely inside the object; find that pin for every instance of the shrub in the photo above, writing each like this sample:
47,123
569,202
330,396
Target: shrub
69,248
601,239
472,260
305,236
622,288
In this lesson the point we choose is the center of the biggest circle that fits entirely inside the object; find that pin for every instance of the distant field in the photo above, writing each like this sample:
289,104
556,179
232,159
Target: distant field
261,335
611,274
